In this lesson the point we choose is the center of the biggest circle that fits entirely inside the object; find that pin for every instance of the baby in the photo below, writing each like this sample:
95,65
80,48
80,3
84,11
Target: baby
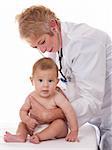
46,94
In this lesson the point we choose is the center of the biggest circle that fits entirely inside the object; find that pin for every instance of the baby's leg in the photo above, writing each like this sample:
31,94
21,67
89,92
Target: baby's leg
57,129
20,135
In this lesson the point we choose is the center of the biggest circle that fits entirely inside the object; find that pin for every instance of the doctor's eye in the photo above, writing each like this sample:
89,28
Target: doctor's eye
41,42
34,46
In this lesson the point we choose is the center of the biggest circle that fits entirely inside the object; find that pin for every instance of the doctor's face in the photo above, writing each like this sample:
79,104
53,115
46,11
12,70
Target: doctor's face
46,42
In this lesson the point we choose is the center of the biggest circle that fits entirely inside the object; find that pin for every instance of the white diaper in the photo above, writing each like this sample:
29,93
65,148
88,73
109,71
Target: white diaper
41,127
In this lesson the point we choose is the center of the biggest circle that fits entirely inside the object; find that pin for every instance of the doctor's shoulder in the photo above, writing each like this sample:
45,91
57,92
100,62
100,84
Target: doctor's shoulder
76,31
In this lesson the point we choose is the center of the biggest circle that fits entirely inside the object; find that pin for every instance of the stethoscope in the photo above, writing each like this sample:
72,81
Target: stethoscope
60,54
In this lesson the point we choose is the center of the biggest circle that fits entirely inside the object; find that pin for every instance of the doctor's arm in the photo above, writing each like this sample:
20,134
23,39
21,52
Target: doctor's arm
89,70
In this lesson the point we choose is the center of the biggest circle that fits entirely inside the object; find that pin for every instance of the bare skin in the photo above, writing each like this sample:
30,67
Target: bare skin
40,107
18,137
57,129
49,116
58,124
8,137
46,115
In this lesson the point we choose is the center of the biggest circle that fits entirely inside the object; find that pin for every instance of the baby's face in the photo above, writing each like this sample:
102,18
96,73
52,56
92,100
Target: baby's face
45,82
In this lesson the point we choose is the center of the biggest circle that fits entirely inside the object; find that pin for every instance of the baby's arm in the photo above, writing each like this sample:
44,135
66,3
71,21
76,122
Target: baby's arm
70,114
24,114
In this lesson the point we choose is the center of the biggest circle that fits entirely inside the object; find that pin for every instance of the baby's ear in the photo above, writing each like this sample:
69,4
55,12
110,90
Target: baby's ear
31,79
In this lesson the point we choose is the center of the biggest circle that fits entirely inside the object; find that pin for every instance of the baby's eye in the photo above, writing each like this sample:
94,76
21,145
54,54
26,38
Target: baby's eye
50,80
40,80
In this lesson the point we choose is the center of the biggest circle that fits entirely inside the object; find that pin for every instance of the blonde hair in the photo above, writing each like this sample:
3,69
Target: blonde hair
35,21
45,64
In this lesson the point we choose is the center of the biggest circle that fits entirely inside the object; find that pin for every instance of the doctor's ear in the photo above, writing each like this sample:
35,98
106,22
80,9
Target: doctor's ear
53,24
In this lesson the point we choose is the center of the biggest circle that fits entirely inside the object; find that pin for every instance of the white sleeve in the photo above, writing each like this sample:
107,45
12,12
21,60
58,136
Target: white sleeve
89,70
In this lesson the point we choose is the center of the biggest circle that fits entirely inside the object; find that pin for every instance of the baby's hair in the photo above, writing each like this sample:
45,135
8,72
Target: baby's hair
45,64
35,21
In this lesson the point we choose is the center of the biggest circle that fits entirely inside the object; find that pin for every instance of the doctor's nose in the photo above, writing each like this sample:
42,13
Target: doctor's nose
42,48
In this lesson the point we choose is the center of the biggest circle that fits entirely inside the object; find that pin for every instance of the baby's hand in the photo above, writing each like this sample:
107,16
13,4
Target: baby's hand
31,123
34,139
72,137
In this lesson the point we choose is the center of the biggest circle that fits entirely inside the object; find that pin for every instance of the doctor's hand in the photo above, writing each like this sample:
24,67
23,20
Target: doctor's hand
44,115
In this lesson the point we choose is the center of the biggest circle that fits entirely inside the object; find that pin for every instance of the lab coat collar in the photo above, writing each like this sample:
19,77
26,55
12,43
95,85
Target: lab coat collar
65,37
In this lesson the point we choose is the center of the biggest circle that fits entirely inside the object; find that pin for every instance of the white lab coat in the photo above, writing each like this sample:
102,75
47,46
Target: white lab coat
87,64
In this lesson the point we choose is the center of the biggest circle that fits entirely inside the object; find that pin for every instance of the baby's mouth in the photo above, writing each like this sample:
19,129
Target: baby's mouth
45,91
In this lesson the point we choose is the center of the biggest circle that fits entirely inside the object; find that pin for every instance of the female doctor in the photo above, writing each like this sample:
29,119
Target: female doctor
85,60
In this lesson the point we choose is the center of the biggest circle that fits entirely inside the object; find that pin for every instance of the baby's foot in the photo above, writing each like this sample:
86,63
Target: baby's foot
34,139
8,137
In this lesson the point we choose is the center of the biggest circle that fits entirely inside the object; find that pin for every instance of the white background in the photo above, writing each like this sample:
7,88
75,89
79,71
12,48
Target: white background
17,57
